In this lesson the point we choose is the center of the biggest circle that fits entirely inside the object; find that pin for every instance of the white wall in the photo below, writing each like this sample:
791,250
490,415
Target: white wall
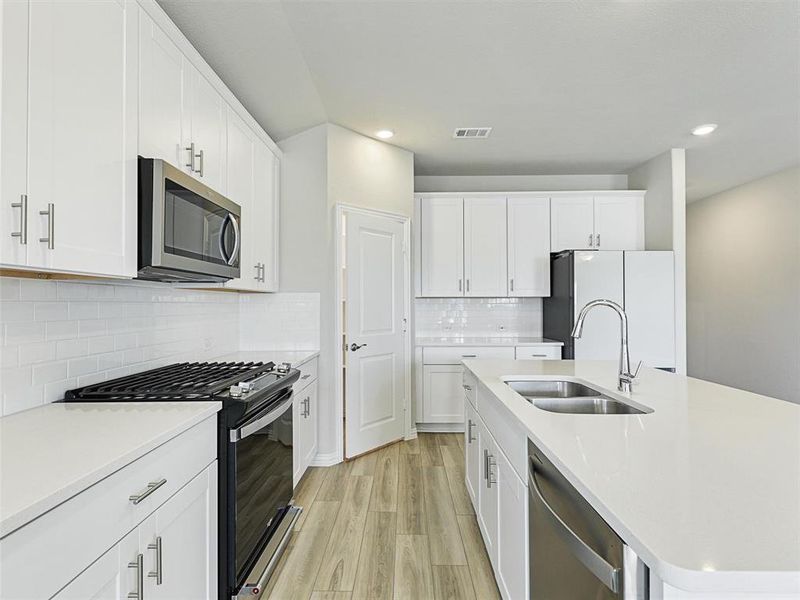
744,286
322,167
518,183
664,178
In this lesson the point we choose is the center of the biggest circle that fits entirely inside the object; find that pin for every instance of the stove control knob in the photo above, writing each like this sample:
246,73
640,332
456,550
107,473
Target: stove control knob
246,387
235,391
283,367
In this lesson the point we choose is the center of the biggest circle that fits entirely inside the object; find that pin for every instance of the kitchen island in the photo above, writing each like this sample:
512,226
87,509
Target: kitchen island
705,488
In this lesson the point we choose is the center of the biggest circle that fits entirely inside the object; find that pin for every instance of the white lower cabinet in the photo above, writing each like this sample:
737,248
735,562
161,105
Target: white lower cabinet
500,499
304,414
443,394
472,452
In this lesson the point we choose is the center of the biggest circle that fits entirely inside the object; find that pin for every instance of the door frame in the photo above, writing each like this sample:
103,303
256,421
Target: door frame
343,209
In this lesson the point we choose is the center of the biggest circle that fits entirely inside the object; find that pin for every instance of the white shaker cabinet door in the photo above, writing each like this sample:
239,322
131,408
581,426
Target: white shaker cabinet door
82,136
619,222
485,269
160,96
472,454
13,133
572,222
487,491
512,531
204,117
241,187
443,393
528,246
442,246
267,201
186,530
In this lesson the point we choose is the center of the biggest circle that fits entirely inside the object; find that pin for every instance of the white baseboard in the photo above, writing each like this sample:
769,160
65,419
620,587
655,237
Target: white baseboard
440,427
412,435
326,460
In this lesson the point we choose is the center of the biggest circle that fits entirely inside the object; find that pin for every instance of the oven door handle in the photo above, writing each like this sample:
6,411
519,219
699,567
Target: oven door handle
253,426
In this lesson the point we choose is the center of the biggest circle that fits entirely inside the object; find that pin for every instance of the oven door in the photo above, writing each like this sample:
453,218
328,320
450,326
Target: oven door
187,231
262,448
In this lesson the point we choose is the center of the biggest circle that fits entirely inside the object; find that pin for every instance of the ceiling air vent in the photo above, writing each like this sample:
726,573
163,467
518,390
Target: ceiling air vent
472,133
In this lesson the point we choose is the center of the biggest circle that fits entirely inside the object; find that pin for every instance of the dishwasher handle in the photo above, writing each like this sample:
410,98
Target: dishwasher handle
599,567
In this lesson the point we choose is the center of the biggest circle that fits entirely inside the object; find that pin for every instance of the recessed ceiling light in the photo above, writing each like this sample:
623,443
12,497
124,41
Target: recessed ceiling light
704,129
384,134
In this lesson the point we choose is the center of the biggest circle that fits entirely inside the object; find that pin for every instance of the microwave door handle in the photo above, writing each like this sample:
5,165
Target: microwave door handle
237,239
222,229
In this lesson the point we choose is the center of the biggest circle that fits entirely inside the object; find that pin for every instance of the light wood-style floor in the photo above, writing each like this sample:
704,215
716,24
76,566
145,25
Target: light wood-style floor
393,524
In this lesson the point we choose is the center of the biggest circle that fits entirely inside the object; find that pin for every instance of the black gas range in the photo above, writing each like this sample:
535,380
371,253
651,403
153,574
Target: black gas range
255,455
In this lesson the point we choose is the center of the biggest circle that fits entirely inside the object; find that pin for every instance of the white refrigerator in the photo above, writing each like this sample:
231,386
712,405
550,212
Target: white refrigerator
642,282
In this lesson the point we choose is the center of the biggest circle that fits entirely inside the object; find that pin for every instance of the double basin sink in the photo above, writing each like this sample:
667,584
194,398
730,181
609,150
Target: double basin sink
572,397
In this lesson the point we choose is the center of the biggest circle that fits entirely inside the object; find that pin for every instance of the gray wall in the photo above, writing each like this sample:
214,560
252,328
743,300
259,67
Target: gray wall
744,286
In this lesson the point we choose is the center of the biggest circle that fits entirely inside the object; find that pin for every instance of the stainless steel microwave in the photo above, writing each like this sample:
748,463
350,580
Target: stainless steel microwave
187,231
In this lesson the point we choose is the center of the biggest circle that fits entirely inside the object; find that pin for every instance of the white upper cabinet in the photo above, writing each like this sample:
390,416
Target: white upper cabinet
598,221
485,246
442,246
82,137
241,182
204,128
267,203
572,222
619,222
14,133
160,95
529,246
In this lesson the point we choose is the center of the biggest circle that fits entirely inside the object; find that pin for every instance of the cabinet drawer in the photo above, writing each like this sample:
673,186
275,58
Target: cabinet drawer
453,355
44,555
308,373
505,429
470,383
538,352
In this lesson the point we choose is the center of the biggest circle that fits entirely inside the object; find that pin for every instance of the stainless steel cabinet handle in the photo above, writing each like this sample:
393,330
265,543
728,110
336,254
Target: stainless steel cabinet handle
491,463
539,355
306,376
158,573
512,284
263,272
470,425
307,409
598,240
22,205
599,567
202,163
591,241
51,225
467,284
190,150
469,356
258,272
485,464
138,564
151,487
459,285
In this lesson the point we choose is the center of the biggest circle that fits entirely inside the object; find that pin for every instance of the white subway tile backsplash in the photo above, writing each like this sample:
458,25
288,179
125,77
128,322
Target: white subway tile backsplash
59,335
478,317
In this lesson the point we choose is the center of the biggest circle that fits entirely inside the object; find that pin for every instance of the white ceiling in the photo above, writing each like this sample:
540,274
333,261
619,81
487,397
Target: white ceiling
595,86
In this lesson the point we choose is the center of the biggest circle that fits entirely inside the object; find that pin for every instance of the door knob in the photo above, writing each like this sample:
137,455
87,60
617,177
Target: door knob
354,346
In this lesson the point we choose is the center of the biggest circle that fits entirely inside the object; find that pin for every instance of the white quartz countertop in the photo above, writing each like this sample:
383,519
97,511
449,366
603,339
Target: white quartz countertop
50,453
486,341
295,357
706,488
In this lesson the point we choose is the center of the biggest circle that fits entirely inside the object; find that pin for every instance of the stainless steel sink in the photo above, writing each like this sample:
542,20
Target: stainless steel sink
571,397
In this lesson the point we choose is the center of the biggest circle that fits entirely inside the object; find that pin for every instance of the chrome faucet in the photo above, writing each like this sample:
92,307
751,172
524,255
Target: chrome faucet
625,376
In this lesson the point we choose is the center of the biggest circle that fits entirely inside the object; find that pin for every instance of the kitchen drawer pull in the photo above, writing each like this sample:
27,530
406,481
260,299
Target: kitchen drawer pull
469,356
591,241
539,355
158,573
599,567
138,564
491,477
306,376
22,205
470,425
151,487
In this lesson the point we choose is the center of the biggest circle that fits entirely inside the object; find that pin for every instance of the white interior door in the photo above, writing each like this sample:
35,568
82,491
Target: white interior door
375,287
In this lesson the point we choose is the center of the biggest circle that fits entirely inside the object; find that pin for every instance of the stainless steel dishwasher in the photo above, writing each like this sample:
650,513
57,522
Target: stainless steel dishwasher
574,554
